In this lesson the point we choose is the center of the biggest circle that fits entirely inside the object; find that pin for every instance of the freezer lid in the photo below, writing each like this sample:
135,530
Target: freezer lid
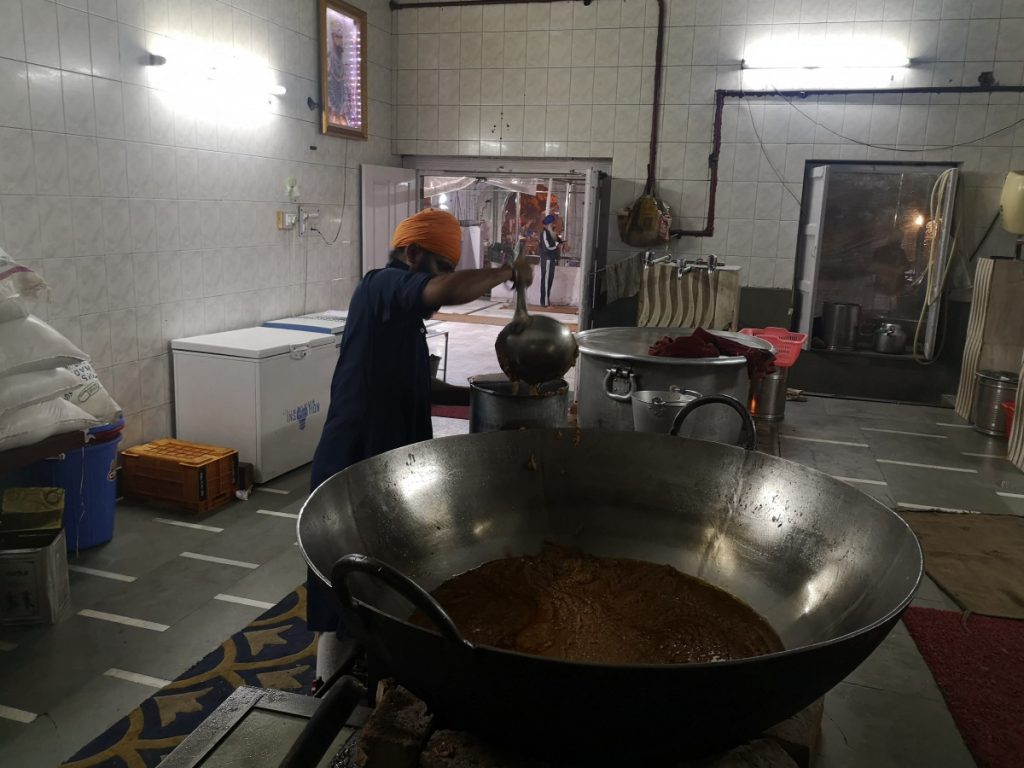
307,323
253,343
329,314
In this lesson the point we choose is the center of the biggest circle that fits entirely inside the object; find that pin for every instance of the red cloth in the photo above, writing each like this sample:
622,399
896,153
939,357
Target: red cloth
976,662
703,344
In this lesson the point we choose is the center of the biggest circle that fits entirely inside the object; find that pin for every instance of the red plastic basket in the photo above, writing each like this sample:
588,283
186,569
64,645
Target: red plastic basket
787,343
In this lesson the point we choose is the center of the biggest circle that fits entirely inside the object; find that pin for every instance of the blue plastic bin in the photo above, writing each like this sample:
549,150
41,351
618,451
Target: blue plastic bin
89,479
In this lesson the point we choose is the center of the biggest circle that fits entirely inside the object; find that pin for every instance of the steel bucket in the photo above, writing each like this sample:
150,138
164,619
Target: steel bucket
829,567
655,410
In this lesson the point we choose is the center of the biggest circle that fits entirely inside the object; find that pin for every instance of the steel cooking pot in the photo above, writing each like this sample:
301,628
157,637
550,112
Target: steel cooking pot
829,567
890,339
614,363
655,410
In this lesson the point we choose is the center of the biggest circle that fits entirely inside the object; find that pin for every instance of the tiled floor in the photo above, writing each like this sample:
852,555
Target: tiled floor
889,712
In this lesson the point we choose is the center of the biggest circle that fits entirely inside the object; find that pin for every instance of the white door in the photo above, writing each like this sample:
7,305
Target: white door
810,262
389,196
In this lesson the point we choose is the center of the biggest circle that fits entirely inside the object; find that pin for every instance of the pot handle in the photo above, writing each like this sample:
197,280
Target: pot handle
619,373
748,438
401,584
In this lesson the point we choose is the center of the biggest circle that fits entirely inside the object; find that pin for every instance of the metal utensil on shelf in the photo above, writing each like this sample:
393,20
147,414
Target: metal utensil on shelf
534,348
890,339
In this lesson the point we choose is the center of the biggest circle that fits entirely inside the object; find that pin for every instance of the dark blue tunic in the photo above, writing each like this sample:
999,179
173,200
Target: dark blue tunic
380,393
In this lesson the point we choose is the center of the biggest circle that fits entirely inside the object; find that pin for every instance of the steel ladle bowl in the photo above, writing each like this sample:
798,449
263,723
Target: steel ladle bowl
534,348
829,567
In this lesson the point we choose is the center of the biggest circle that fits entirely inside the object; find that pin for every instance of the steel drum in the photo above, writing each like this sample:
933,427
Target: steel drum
828,566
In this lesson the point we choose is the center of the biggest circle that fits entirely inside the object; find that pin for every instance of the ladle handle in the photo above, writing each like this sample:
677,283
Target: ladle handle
748,438
401,584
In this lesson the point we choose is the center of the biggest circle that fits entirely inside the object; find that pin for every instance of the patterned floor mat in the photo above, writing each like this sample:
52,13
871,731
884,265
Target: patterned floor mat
274,651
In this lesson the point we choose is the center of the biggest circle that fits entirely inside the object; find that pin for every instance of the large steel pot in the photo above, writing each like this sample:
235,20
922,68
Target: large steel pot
828,566
614,363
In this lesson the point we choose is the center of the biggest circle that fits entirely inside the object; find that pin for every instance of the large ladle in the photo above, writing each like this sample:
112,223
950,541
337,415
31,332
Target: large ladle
534,348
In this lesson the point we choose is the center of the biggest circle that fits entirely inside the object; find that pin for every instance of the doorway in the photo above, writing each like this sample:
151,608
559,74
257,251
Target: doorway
497,201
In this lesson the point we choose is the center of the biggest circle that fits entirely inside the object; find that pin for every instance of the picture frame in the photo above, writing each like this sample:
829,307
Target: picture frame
342,70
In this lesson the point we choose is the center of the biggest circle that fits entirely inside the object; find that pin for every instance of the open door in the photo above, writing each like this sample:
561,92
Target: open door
389,196
815,193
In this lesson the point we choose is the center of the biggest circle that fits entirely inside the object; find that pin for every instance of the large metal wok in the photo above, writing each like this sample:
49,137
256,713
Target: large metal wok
829,567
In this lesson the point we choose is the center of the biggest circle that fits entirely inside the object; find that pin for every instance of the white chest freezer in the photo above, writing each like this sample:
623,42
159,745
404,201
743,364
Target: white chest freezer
262,391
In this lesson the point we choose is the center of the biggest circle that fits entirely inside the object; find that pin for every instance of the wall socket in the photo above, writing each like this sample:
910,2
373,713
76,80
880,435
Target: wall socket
286,220
309,218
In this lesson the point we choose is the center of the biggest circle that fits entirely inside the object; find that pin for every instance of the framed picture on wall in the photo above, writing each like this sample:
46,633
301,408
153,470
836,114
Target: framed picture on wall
343,69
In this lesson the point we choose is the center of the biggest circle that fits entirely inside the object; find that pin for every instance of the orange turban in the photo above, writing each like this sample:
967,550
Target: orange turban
433,230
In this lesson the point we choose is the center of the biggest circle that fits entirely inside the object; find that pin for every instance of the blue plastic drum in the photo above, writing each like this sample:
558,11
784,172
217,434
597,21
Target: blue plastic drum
89,479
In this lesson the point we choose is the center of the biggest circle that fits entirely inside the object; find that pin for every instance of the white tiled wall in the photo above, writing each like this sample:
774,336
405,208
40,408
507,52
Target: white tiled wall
150,222
572,80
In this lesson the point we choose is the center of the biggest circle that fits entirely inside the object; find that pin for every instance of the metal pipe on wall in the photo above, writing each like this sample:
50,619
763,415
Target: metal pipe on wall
723,94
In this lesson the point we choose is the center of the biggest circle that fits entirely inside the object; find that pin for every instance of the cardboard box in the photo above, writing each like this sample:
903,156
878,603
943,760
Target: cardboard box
34,586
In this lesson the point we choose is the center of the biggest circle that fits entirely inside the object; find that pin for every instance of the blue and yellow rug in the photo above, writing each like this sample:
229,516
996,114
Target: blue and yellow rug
274,651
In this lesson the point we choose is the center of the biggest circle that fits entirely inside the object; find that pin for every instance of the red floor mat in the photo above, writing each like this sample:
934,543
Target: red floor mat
979,666
450,411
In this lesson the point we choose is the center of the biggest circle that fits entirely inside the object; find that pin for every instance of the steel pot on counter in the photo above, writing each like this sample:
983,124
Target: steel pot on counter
614,363
890,339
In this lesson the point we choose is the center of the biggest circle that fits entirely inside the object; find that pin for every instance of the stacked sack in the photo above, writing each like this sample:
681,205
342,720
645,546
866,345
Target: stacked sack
47,386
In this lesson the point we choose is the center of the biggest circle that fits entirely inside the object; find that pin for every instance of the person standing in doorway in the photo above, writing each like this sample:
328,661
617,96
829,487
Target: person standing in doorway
382,388
550,246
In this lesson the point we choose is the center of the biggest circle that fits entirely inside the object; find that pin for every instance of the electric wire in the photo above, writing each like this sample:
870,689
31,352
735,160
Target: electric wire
764,152
916,148
344,198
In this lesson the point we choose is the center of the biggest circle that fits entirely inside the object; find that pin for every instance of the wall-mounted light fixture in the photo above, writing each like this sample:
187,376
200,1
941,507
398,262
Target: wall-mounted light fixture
214,82
854,53
844,62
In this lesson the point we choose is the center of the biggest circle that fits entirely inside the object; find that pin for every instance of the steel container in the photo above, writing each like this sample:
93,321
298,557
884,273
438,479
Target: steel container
495,403
890,339
614,363
839,324
655,411
994,389
768,401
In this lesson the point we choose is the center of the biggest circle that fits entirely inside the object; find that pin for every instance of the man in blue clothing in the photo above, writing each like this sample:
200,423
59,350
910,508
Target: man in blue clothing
382,388
550,245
